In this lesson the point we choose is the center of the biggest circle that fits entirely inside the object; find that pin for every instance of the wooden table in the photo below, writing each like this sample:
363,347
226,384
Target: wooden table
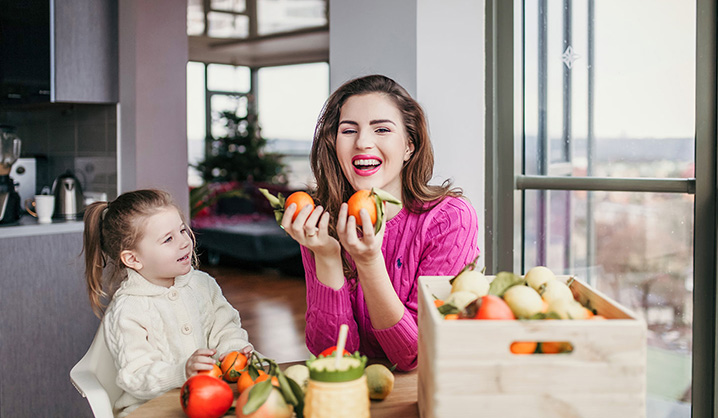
401,402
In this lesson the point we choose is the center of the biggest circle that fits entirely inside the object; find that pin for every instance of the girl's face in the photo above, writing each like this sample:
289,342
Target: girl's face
165,250
372,144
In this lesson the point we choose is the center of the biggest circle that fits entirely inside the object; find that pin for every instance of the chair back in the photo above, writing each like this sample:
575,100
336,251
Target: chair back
94,376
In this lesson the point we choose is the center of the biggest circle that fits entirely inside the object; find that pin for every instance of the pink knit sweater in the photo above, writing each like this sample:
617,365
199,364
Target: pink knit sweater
439,242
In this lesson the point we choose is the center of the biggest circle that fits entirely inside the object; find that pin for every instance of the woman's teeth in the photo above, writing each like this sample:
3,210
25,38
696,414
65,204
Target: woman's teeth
183,258
366,164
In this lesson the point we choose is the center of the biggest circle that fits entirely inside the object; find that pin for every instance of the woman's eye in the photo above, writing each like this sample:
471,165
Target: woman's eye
382,130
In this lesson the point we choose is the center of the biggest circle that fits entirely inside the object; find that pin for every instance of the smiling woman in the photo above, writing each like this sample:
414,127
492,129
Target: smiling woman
372,134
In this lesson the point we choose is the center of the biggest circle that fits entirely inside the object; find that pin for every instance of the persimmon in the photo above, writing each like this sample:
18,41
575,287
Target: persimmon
555,347
265,376
214,372
438,302
232,365
245,380
301,199
523,347
493,307
451,316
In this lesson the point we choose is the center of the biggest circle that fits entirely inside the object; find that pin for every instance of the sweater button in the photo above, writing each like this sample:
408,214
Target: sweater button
173,294
186,329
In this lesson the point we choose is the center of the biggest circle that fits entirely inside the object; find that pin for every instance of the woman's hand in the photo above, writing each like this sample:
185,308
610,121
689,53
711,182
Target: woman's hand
199,360
364,249
311,229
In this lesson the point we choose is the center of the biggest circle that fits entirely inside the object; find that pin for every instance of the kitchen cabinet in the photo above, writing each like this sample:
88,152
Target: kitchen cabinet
46,324
58,51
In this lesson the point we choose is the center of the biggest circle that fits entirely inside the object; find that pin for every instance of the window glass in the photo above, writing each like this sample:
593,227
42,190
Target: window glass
224,103
609,91
195,118
290,99
229,78
229,5
195,18
227,25
285,15
608,96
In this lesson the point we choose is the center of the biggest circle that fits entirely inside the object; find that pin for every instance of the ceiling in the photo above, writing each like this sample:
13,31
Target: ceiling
296,47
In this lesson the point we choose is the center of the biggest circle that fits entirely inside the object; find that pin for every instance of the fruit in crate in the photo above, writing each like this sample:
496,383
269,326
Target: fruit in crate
538,276
524,301
470,280
538,295
379,380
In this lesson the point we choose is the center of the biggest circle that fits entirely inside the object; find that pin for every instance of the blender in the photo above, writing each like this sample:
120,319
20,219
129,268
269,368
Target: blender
10,209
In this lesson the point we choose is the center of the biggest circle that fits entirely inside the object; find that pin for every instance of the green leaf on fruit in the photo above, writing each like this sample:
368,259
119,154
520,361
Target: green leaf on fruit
503,281
448,308
258,394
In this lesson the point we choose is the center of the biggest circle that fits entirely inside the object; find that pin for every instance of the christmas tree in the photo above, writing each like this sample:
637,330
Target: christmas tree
240,155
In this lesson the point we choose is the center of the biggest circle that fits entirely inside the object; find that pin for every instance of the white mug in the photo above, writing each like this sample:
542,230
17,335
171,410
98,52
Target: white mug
44,207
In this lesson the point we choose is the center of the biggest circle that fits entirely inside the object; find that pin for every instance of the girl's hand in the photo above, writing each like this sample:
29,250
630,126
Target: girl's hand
247,351
199,360
310,229
364,249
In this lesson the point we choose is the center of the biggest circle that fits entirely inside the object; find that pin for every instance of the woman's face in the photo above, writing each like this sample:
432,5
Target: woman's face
372,144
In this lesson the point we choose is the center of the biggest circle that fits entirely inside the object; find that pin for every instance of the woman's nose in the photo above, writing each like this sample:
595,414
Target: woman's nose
364,139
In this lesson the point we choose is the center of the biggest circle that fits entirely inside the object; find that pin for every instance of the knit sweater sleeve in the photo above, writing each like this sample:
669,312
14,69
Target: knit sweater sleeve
141,370
226,332
450,242
327,310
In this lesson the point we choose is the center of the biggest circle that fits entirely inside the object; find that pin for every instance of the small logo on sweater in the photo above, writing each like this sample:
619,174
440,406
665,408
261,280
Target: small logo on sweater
398,263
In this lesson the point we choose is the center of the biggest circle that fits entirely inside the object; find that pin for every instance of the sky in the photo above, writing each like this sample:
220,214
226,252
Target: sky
644,68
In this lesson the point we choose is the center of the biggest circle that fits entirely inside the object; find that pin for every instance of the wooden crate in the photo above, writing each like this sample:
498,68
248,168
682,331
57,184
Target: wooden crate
467,370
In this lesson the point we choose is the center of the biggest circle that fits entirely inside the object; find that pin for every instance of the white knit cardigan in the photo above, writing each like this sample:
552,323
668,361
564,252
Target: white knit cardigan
152,330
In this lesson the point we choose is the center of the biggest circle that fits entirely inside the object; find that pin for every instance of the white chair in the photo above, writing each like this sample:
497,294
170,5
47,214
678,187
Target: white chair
94,377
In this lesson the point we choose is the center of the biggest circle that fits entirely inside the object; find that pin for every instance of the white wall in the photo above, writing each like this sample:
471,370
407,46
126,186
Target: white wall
152,140
435,49
372,37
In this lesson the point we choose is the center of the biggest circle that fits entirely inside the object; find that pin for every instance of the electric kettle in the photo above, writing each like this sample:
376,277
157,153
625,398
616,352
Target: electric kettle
69,201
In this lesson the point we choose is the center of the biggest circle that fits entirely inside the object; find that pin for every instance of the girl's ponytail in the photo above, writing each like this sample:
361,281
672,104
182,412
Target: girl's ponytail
94,257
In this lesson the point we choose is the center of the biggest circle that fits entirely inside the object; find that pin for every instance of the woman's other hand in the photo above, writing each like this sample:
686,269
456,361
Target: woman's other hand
311,229
199,360
365,248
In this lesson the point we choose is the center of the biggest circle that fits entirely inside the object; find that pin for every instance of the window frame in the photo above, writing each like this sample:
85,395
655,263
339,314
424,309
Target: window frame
505,182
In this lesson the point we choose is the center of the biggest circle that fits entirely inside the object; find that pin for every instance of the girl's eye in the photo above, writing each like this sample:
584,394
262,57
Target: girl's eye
184,231
168,239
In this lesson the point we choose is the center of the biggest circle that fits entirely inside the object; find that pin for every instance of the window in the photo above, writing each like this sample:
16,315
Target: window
288,100
600,100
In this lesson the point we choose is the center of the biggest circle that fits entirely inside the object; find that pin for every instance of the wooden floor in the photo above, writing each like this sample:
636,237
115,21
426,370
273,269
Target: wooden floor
271,306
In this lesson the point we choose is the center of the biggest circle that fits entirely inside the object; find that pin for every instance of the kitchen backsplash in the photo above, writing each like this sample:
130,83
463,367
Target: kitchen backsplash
77,137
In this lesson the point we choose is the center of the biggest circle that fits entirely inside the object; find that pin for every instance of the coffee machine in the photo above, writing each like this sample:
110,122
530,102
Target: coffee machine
10,209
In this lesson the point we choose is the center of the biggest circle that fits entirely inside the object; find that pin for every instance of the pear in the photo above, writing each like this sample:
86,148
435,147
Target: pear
460,299
523,301
538,276
568,309
554,290
472,281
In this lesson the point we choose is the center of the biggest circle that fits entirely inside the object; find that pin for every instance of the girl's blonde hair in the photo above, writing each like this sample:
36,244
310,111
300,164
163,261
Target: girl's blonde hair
333,188
113,227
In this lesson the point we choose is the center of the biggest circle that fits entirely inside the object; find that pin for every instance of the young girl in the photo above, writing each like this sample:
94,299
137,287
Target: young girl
371,133
166,320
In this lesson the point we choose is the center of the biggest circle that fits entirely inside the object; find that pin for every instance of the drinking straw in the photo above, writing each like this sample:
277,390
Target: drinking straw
341,342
